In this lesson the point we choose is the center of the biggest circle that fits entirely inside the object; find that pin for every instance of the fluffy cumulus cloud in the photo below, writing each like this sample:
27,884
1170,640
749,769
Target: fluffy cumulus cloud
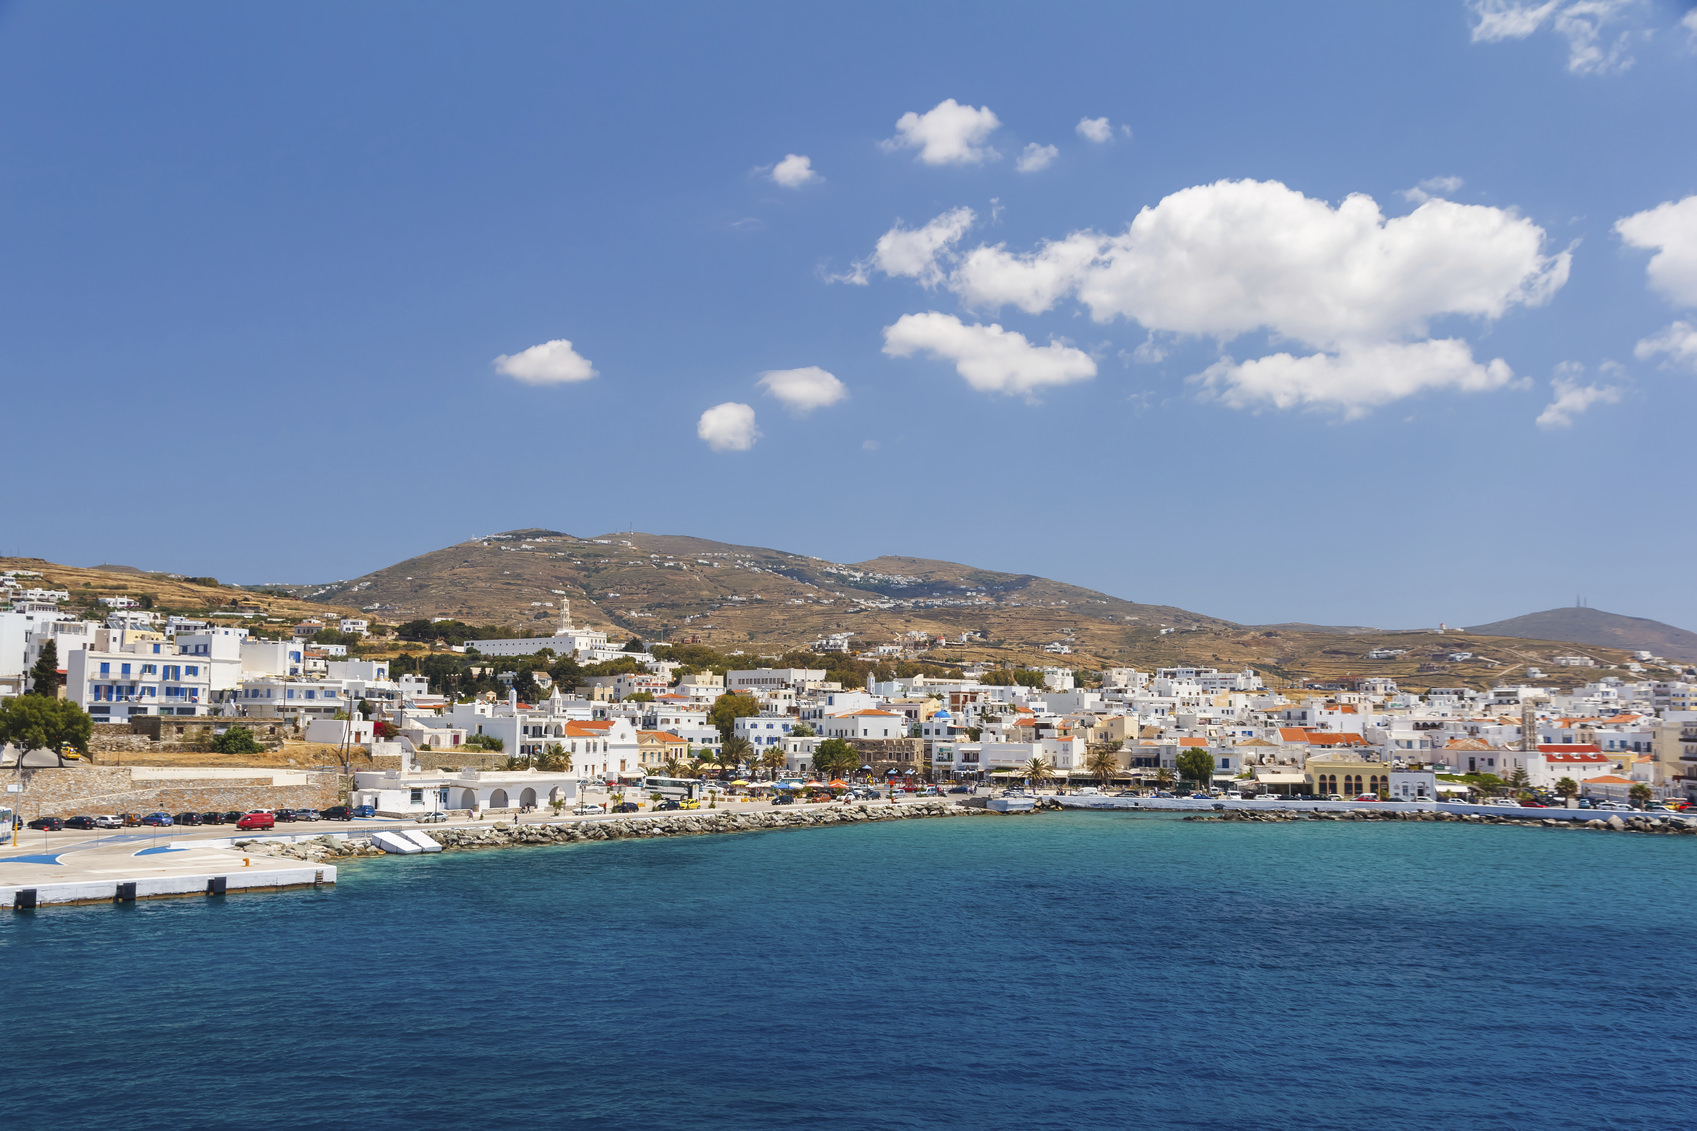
795,171
1035,157
992,360
1595,42
914,253
1575,399
728,427
1670,230
1355,380
947,134
803,390
1236,257
1675,347
551,363
1095,129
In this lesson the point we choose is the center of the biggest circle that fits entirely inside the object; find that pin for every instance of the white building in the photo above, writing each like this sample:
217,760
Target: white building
868,723
398,794
119,676
762,731
765,679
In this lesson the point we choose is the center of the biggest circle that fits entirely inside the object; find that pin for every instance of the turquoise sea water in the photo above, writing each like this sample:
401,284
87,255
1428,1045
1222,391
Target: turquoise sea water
1065,970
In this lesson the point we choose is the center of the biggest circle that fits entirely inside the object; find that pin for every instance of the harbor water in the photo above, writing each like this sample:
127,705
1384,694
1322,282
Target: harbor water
1058,970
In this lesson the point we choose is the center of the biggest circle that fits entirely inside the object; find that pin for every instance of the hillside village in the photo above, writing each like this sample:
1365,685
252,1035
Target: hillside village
425,702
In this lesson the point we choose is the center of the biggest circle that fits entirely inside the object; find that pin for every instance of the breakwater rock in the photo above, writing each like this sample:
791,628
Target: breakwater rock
692,823
1615,822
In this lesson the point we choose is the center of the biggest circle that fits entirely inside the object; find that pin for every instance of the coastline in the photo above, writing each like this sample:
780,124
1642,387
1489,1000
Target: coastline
694,823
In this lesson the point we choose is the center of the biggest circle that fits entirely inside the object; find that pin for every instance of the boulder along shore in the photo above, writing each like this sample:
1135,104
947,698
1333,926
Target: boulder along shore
699,822
1615,822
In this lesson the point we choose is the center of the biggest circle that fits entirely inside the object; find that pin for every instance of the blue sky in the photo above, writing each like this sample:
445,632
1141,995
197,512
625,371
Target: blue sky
1375,353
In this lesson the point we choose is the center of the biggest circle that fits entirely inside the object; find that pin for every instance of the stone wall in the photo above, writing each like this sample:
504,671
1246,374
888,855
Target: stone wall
71,790
151,734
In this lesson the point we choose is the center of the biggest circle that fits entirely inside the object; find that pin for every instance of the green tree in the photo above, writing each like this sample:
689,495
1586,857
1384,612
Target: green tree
633,645
728,708
1520,781
772,760
36,722
553,758
640,697
1640,794
236,740
1164,777
1104,765
1038,772
802,730
1567,787
733,752
833,758
565,673
1197,765
44,676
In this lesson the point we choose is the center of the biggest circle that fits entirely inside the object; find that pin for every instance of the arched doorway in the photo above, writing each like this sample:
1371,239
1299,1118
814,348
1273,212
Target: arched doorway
468,799
498,799
556,796
528,798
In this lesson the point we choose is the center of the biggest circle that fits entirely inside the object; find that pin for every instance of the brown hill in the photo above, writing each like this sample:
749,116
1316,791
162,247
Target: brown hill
679,588
1596,628
170,593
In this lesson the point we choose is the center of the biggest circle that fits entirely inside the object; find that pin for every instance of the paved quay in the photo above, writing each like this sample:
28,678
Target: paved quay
118,869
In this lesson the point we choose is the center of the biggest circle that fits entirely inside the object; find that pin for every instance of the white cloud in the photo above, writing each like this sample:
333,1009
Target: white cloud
1574,399
914,253
1036,157
1431,188
869,445
803,390
1689,23
1670,229
992,360
1235,257
947,134
1095,129
551,363
1355,380
1677,345
1582,23
794,171
728,427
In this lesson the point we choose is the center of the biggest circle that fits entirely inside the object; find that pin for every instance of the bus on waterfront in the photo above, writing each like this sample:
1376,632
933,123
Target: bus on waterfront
673,789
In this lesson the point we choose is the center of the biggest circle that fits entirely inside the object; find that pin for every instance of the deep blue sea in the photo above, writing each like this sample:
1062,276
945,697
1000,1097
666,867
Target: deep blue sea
1064,970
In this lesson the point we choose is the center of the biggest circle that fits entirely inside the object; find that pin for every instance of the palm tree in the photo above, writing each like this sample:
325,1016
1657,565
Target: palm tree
1104,765
673,767
1640,794
554,758
1567,787
834,758
1038,772
1163,777
735,751
772,760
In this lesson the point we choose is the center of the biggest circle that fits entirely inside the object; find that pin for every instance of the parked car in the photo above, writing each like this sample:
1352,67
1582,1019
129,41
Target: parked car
157,820
213,817
48,824
689,803
284,814
79,822
1367,797
257,821
952,789
783,799
433,818
230,816
307,815
187,819
666,806
108,821
365,810
338,813
587,810
130,820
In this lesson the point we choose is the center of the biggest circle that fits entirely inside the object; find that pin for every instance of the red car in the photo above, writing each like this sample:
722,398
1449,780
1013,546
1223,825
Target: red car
257,821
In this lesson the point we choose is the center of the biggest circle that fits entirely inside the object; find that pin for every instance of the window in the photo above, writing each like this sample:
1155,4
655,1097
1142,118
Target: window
105,668
418,797
194,669
123,669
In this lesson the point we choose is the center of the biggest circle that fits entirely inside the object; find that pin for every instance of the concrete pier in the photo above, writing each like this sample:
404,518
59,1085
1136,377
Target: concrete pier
122,868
